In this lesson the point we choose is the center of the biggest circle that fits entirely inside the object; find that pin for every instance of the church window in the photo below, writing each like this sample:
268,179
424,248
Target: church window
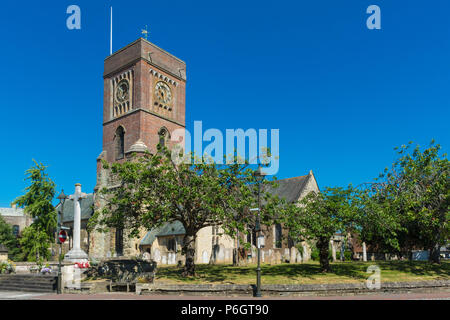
120,143
16,230
163,135
119,242
278,235
171,245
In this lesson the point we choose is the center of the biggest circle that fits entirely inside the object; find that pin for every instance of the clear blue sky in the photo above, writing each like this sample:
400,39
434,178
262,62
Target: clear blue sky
342,96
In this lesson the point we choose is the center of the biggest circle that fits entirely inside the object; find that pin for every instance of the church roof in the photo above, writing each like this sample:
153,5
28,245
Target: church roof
87,208
168,229
291,188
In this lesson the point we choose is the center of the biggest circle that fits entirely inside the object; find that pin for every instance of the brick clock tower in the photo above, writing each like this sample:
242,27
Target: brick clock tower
143,102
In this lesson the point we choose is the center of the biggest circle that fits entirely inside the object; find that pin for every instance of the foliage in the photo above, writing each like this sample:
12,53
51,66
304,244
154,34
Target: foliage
318,216
37,202
7,267
348,255
151,190
8,239
315,254
35,244
408,206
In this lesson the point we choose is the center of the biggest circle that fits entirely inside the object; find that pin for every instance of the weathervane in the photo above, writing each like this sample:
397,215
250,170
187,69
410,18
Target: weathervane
145,32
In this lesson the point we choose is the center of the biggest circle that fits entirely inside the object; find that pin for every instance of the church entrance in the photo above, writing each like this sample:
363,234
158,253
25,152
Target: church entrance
119,242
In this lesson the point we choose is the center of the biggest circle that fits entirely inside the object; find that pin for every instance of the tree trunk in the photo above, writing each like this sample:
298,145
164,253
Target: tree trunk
236,250
189,251
323,246
435,254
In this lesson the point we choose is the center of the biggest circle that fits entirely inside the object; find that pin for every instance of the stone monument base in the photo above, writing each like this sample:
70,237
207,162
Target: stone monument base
76,255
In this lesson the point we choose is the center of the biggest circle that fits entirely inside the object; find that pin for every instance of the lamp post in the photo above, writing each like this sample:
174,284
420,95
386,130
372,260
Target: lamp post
259,176
62,198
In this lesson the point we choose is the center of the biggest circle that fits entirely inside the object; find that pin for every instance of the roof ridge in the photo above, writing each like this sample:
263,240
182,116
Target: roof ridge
293,177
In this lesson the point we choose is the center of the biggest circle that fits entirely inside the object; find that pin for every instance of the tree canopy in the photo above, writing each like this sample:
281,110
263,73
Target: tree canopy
318,217
407,206
151,190
37,202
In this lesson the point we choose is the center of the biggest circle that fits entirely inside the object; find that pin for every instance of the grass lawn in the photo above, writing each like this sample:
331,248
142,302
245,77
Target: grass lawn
307,273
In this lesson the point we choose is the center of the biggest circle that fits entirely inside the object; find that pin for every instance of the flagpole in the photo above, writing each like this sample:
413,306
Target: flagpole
111,38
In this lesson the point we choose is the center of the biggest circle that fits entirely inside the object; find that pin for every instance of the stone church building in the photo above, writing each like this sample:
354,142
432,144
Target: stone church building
143,103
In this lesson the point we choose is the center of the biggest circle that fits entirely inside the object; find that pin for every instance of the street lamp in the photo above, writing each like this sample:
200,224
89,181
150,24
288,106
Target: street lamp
259,177
62,198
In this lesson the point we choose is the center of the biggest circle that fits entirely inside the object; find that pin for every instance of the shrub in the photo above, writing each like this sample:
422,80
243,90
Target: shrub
7,267
315,254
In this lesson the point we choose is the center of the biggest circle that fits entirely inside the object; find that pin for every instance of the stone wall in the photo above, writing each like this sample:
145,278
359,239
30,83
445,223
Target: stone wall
16,217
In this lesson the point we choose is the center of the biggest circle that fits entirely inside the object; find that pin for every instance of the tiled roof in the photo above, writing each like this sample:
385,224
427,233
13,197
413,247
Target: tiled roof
290,189
87,208
169,229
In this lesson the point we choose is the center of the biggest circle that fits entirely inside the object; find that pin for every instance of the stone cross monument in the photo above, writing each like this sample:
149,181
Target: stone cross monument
76,254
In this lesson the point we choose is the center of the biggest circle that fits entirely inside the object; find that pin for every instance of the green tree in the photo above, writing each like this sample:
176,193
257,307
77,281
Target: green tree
35,244
375,222
317,217
8,239
37,202
151,190
411,201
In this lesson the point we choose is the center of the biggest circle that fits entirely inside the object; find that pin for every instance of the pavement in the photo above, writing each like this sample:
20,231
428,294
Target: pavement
18,295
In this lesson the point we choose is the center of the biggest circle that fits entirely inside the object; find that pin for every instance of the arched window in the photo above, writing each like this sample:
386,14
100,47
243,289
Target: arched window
16,230
120,143
163,135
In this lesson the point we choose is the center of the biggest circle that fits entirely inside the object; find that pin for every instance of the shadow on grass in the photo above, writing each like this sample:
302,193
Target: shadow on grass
418,268
349,270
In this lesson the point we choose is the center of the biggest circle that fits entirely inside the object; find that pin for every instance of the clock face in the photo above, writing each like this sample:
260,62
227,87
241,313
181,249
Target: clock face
163,93
122,91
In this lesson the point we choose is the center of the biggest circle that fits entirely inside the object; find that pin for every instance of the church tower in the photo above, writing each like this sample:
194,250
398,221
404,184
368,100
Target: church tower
143,102
143,99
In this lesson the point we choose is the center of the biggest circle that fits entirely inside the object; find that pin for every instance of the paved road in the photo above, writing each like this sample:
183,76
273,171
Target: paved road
19,295
13,295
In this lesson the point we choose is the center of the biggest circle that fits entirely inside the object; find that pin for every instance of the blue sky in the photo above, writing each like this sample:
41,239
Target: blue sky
342,96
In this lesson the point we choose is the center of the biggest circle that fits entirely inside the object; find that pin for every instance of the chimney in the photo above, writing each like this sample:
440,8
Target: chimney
13,205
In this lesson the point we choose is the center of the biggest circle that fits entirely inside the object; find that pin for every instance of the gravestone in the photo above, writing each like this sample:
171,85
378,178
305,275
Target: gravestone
221,253
364,251
333,250
293,255
228,255
146,256
205,256
157,255
305,253
172,258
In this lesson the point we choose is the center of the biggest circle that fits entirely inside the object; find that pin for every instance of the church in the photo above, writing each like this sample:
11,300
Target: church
143,103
